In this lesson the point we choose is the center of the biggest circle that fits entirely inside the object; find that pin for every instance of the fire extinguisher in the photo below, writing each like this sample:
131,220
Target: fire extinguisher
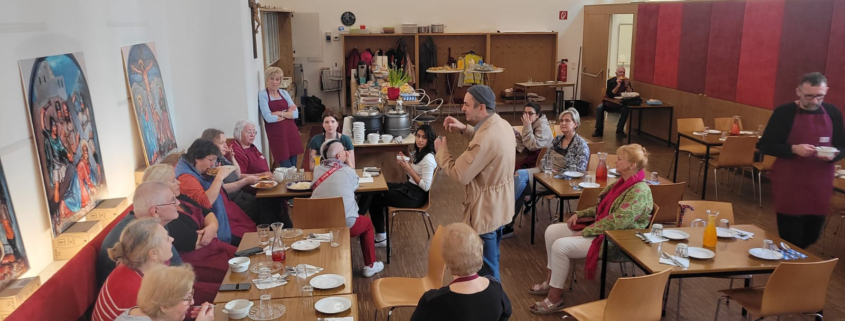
561,70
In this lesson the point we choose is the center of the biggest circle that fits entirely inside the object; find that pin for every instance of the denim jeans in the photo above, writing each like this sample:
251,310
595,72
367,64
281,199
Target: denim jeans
491,253
290,162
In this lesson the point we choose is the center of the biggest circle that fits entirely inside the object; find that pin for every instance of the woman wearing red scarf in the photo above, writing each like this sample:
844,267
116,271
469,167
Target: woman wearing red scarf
623,205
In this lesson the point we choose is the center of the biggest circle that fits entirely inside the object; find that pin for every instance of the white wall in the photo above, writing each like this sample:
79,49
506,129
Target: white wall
204,52
459,16
614,45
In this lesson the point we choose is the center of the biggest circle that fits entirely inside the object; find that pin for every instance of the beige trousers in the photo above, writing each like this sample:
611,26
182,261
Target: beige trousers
561,247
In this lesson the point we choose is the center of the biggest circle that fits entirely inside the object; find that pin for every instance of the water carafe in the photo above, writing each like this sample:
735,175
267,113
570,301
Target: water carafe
735,127
601,169
278,246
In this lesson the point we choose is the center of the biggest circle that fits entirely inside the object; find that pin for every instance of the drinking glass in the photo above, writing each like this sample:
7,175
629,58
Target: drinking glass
682,250
265,310
724,135
264,274
589,179
335,238
725,224
654,177
530,80
769,246
836,170
760,130
547,166
657,230
263,234
301,280
706,129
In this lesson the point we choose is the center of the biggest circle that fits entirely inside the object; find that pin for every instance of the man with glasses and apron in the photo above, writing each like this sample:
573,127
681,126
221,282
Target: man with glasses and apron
802,180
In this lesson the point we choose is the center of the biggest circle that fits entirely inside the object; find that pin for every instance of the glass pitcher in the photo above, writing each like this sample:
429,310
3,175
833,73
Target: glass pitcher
278,245
548,164
710,235
735,127
601,169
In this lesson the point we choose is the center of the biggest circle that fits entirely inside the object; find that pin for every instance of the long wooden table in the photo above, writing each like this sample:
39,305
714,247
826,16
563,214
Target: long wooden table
711,140
383,155
379,184
558,104
298,309
334,260
839,185
640,108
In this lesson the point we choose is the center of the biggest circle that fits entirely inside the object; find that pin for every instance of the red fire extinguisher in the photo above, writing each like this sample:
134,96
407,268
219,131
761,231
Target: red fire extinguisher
561,70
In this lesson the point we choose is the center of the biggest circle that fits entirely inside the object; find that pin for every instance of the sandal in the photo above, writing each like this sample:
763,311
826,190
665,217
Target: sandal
546,307
539,289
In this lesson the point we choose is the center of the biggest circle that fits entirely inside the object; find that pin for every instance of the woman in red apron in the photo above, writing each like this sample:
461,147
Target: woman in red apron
802,180
279,112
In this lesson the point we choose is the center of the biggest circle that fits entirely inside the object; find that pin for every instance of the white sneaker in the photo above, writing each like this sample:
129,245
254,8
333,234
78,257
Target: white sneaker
370,271
380,237
382,243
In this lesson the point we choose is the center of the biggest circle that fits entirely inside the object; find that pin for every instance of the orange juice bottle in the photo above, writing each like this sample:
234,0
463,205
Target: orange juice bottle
710,235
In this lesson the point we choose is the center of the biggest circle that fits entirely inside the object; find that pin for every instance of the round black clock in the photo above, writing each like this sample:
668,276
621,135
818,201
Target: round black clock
347,18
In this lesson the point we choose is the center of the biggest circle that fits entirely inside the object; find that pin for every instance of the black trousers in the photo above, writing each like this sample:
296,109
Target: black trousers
406,194
623,117
801,230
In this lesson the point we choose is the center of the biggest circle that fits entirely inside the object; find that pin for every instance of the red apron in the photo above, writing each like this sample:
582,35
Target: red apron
804,185
282,135
238,220
210,262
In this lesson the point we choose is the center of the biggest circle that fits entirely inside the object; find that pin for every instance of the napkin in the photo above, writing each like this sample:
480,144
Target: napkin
327,237
748,235
364,180
274,281
698,133
655,239
311,270
339,319
683,261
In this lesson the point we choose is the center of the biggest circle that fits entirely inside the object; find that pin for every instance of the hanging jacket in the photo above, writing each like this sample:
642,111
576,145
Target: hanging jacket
428,59
367,57
352,60
471,78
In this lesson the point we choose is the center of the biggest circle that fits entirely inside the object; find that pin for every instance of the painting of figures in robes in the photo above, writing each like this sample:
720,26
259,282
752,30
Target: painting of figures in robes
149,101
65,134
13,262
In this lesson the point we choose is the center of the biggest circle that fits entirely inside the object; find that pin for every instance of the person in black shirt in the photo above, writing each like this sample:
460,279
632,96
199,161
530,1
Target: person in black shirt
802,178
468,297
615,87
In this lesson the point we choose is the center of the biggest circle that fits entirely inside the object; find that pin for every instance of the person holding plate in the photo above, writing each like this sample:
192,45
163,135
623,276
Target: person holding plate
802,178
236,180
615,87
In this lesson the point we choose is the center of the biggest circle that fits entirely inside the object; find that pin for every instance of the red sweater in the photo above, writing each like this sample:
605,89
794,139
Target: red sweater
119,293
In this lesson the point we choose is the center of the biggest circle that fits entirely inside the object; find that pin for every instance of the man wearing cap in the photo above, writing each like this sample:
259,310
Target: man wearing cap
485,168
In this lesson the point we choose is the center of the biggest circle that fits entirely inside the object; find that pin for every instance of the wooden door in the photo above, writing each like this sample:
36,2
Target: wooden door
594,58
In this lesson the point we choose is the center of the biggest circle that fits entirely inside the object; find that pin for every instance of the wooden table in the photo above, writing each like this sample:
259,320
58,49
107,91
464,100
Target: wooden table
732,256
450,87
711,140
297,309
558,106
383,156
334,260
561,188
404,102
839,185
640,108
378,185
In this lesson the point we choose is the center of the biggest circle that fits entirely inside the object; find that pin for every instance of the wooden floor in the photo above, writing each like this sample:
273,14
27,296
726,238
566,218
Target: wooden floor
523,264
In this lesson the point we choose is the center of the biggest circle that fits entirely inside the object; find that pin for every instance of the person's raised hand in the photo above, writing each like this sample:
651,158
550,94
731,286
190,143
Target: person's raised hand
452,123
224,171
526,120
439,143
206,312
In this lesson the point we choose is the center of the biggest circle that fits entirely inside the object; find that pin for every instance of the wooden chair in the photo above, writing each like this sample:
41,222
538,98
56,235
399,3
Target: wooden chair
760,167
423,211
595,147
667,196
837,208
690,147
725,123
634,298
737,152
793,288
309,213
394,292
594,162
540,156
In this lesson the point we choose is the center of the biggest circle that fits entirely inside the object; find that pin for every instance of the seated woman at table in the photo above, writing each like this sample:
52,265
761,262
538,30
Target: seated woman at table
536,134
334,178
144,245
623,205
412,193
247,155
194,232
166,294
236,180
567,149
468,296
207,190
329,133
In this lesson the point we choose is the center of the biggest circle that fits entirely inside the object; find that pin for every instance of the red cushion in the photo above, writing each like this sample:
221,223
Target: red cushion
67,295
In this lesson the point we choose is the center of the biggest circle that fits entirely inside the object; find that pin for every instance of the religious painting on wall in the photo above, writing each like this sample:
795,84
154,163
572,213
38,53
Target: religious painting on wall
65,135
149,101
13,262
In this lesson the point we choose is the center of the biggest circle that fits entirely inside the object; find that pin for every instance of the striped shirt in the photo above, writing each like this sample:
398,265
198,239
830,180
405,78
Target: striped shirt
119,293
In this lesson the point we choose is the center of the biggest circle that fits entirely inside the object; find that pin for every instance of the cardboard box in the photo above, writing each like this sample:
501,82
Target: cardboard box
67,244
108,209
17,292
139,175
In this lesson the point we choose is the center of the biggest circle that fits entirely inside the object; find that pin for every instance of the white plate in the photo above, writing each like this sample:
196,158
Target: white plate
272,184
305,245
765,254
699,253
617,97
841,172
573,174
613,171
713,131
675,234
725,233
746,132
327,281
589,185
332,305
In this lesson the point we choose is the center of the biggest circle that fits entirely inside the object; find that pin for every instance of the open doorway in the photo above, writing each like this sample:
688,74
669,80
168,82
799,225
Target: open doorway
619,45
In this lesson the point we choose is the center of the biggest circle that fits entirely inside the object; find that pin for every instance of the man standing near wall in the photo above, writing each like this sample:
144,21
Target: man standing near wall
802,179
485,168
615,87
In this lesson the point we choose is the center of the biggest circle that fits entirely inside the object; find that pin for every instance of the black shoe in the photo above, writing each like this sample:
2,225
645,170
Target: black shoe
507,231
622,134
598,134
527,209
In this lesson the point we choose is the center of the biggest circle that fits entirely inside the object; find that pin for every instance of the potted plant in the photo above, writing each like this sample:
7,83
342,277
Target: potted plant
396,77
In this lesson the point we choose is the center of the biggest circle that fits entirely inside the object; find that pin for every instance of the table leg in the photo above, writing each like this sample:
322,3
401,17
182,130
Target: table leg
671,121
560,210
706,167
747,285
677,151
640,123
630,125
533,209
387,217
603,269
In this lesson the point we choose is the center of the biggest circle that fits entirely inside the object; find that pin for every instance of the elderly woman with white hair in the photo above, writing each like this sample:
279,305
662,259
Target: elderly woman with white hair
166,295
567,149
279,111
468,296
248,156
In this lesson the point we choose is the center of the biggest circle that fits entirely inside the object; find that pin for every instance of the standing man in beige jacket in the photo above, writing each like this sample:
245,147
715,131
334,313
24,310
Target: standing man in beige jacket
486,168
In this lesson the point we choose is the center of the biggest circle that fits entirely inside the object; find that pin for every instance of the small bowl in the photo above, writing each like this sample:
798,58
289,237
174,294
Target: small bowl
405,158
388,29
825,151
386,138
239,264
237,309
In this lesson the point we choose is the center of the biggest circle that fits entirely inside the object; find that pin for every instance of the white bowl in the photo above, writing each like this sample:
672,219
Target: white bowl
237,309
405,158
239,264
630,94
386,138
825,151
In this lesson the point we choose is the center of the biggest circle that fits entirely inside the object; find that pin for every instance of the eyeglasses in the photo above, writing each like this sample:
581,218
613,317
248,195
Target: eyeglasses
212,159
174,202
811,97
190,297
251,132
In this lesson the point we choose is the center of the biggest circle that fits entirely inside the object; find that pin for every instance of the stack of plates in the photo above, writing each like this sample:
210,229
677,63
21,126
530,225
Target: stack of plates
358,132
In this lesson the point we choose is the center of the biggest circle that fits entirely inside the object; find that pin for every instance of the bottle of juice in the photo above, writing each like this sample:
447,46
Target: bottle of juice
735,127
710,235
601,169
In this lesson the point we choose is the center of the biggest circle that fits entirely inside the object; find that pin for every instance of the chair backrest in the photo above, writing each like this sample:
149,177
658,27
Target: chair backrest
637,298
595,147
724,123
797,288
589,198
427,204
667,195
768,162
654,210
594,162
318,213
436,265
738,151
689,125
540,156
699,209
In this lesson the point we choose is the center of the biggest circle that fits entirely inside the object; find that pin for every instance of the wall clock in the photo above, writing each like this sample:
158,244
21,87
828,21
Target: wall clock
347,18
